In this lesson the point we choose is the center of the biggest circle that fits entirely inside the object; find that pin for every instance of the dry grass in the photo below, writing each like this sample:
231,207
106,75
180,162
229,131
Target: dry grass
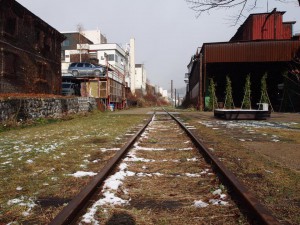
266,159
163,189
36,162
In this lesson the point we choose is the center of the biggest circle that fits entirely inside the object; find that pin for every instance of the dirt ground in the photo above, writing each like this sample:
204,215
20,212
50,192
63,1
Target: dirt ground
284,148
285,153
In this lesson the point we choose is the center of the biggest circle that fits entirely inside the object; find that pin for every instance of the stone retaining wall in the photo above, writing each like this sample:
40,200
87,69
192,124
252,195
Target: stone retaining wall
32,108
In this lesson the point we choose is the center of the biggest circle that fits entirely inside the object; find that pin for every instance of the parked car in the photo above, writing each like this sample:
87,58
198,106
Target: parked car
68,88
86,69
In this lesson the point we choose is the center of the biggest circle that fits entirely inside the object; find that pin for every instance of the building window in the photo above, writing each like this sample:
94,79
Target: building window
93,55
111,57
66,43
116,58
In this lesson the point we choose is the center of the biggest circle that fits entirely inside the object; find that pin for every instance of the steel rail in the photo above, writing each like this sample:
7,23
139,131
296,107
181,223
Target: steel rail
259,212
70,212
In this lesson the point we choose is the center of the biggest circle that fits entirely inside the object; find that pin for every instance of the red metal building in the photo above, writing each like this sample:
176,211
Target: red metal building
264,26
262,44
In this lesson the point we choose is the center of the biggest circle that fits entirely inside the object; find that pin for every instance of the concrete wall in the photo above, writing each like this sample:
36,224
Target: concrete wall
33,108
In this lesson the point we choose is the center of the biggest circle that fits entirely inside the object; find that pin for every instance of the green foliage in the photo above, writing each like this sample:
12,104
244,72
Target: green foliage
228,95
264,94
246,104
213,101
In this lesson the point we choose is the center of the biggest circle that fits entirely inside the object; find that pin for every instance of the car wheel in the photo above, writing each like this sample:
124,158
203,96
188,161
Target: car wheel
97,72
75,73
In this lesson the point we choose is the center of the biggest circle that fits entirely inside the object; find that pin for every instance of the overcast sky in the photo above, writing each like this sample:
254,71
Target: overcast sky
167,32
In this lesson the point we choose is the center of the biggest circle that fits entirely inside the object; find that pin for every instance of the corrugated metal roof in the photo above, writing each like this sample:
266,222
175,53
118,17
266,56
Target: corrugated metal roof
250,51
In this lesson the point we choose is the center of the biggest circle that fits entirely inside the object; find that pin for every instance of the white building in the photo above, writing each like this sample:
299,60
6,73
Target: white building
140,78
165,94
111,53
132,65
95,36
93,46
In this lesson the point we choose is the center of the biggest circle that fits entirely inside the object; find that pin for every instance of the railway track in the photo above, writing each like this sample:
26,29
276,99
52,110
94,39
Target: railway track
159,177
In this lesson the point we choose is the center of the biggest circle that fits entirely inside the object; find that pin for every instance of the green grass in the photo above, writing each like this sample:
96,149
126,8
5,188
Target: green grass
36,161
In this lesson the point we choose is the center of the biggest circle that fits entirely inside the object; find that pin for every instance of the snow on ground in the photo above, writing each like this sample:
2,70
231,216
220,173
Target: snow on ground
246,124
219,199
109,149
22,151
249,126
82,174
114,184
23,201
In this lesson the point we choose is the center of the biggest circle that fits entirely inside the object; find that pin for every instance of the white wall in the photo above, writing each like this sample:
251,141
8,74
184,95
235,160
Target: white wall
118,61
132,65
165,94
140,77
93,35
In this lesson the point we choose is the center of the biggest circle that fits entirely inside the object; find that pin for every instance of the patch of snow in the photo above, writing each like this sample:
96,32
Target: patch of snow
83,174
200,204
218,202
192,160
29,161
185,149
23,201
192,175
111,185
217,192
137,147
109,149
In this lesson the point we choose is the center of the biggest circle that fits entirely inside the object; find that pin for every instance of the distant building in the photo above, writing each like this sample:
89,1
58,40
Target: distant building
140,78
132,65
29,52
262,44
109,89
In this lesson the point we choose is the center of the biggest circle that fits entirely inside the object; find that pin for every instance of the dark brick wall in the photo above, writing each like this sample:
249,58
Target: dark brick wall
29,52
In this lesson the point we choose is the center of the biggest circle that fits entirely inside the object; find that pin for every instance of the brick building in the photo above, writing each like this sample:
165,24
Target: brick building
29,52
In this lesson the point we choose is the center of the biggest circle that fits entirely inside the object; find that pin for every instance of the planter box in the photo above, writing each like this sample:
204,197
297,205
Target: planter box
242,114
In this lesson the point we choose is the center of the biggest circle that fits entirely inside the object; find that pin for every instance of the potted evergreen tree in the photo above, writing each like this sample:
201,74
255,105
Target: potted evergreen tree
246,104
213,101
228,95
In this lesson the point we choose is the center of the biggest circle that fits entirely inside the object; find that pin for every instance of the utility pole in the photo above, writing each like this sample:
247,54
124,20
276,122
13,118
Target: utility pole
172,90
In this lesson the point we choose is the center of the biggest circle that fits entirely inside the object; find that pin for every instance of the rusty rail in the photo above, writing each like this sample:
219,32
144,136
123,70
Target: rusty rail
70,212
257,211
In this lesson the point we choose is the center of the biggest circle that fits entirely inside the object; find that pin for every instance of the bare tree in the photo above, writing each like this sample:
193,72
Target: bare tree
201,6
